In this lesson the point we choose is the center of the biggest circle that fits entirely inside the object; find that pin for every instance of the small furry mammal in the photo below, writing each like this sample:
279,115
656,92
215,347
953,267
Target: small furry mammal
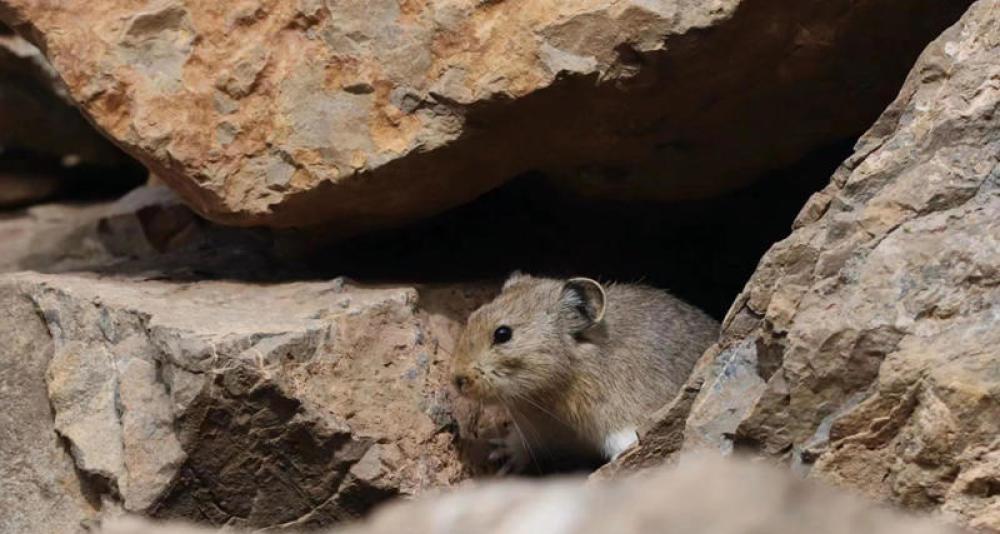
579,365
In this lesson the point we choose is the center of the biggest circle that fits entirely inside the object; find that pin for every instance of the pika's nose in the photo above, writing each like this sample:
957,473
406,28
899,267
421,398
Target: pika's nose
460,381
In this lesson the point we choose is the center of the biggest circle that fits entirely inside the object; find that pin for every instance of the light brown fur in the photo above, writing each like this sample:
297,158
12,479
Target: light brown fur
584,361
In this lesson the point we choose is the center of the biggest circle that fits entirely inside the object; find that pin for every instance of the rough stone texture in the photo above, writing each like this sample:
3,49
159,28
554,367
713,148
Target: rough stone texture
40,485
362,113
235,403
865,350
702,496
163,366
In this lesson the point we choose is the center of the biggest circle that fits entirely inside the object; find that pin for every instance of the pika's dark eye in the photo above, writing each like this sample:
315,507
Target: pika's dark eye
502,335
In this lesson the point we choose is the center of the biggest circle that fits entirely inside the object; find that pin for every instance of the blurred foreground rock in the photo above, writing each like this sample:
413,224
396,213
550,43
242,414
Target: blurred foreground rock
703,496
865,350
367,113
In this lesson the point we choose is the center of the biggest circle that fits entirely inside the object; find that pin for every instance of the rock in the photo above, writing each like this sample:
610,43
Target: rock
51,236
163,366
45,143
42,492
18,189
701,496
362,114
143,224
36,113
864,350
232,403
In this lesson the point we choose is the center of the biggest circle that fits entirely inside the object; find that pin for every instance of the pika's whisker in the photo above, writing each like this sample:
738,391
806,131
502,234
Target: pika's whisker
558,419
520,434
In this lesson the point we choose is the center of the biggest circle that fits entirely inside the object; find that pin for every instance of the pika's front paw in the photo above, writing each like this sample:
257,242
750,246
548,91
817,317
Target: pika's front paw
511,453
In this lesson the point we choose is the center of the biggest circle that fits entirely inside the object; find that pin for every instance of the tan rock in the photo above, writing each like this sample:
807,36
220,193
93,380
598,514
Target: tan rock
72,236
865,350
227,402
700,496
50,236
365,113
135,383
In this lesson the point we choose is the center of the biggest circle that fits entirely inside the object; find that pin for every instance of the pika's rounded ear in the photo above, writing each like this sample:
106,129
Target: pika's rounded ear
513,278
583,302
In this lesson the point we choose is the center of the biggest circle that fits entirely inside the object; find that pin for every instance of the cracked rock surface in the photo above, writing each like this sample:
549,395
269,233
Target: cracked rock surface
229,403
361,113
865,350
196,392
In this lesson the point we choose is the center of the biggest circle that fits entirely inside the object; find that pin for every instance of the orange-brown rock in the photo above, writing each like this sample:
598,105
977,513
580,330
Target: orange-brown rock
364,113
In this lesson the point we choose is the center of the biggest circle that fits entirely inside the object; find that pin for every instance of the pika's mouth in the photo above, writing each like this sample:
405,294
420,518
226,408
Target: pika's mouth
473,387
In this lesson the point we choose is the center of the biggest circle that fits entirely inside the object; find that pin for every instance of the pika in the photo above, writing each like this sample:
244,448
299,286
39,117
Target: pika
579,365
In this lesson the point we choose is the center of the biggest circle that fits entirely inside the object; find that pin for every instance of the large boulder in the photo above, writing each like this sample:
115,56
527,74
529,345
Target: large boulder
166,367
224,402
365,113
865,350
703,496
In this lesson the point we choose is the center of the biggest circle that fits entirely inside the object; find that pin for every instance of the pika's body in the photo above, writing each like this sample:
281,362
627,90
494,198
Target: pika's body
580,366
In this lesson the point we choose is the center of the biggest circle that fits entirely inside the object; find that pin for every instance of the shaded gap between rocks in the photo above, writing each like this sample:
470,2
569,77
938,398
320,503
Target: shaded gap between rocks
702,251
65,182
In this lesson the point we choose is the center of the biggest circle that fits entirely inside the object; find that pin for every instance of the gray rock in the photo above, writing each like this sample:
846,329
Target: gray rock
135,384
228,402
42,490
876,325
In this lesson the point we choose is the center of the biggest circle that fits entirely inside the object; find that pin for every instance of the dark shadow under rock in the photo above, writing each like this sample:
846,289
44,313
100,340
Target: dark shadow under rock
702,251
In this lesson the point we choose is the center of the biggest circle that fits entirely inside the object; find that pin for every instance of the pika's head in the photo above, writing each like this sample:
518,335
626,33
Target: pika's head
521,345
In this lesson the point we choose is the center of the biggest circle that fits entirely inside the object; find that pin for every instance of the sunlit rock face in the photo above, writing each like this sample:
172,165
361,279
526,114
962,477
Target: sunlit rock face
360,114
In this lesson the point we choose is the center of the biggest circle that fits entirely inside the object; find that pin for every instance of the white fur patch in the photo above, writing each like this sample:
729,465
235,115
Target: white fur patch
618,442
